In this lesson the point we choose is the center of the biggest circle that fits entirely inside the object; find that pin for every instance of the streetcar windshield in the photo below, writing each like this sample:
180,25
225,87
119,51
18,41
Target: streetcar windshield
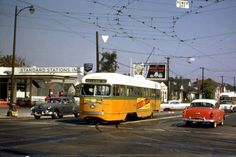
99,90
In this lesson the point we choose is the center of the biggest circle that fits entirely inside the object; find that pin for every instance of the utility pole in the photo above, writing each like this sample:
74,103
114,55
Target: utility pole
234,84
12,109
202,88
222,84
97,52
168,78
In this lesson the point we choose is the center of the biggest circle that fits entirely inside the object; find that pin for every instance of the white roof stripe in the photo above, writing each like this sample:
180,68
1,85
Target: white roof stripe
115,78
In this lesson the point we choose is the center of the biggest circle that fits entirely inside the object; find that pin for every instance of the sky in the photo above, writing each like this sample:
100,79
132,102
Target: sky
63,33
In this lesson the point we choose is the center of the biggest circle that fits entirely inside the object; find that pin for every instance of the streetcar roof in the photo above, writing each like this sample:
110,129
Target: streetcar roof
231,94
115,78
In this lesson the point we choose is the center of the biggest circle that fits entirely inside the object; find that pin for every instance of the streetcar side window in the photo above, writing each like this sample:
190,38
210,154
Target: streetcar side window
130,91
138,91
103,90
146,92
158,92
118,90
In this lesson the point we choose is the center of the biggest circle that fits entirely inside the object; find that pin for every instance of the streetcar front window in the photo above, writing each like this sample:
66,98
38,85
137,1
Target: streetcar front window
87,89
98,90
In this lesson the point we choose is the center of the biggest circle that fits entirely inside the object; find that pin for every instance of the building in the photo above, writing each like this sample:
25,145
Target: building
35,83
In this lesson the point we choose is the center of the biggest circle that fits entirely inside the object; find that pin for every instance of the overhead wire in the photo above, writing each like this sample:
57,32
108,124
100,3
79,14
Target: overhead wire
119,34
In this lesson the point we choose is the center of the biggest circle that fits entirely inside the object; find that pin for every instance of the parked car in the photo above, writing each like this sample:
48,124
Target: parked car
228,107
56,107
204,111
24,102
174,105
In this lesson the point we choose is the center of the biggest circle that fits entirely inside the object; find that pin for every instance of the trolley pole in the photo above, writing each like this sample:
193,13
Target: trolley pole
97,52
222,84
202,87
168,78
234,84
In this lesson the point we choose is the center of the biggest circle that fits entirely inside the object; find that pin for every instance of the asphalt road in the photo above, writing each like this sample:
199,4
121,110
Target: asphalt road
164,135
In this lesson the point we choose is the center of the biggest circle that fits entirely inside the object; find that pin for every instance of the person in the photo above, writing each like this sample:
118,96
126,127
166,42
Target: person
61,93
49,96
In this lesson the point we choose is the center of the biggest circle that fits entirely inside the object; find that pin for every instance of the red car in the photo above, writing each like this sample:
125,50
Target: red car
204,111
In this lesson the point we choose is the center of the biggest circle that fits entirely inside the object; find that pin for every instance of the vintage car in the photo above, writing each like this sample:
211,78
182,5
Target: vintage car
56,107
204,111
174,105
228,107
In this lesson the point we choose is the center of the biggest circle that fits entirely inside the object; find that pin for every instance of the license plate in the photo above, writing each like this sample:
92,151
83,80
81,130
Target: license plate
196,120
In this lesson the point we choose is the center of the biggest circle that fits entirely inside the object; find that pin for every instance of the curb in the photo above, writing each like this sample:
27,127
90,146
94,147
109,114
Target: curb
15,118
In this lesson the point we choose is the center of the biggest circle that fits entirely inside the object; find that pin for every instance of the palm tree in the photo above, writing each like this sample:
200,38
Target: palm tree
6,61
108,62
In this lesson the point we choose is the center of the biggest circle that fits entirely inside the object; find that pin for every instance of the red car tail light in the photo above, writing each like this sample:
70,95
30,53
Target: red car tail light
211,115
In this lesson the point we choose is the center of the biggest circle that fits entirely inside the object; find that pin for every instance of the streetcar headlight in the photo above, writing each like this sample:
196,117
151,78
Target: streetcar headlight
92,106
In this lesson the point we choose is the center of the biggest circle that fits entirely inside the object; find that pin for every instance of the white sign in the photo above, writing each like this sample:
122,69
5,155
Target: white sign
182,4
105,38
64,71
48,70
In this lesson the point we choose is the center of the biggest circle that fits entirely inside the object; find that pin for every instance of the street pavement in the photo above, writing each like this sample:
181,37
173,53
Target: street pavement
25,112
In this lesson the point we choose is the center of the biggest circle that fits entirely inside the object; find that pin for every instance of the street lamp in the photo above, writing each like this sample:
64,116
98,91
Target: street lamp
17,12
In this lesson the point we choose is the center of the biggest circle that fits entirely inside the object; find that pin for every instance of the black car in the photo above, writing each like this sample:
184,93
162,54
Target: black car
56,107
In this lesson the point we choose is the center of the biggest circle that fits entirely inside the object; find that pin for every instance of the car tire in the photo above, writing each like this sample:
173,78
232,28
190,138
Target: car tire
214,124
60,116
55,114
222,121
188,123
36,117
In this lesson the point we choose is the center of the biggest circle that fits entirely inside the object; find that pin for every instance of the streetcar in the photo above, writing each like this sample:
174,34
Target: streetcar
228,98
116,97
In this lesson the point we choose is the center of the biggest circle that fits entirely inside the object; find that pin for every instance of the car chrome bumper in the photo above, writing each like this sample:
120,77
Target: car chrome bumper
197,120
43,113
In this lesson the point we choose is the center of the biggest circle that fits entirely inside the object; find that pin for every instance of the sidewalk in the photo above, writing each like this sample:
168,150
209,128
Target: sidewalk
23,112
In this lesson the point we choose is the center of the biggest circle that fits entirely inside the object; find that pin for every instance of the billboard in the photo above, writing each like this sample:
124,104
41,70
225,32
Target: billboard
151,71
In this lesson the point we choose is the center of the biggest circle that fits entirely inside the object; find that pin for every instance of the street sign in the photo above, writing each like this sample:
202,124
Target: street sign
88,67
182,4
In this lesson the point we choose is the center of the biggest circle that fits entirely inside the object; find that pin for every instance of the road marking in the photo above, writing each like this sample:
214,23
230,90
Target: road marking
160,130
154,119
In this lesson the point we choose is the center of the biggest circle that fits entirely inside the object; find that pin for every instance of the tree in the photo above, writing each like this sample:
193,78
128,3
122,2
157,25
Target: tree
209,88
6,61
108,62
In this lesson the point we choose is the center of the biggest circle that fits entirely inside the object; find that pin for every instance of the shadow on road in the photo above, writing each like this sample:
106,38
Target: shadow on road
197,125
